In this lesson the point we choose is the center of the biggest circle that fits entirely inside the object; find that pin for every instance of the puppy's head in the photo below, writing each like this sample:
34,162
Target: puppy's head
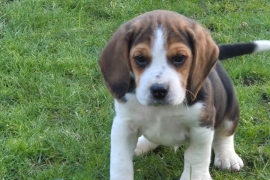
168,55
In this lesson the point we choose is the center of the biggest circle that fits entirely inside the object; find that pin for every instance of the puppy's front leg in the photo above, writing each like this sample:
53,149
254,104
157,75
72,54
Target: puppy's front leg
123,143
197,155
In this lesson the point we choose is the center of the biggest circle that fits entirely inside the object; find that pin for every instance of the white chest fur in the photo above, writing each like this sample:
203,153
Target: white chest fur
165,125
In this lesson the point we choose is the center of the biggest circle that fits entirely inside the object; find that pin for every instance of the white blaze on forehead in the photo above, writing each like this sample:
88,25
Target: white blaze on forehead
158,47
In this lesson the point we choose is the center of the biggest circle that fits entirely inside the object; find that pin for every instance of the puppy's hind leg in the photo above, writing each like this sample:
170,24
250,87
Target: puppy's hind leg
223,145
144,146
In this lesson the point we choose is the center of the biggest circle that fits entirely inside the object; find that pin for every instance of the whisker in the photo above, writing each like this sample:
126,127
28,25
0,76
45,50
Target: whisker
184,85
190,92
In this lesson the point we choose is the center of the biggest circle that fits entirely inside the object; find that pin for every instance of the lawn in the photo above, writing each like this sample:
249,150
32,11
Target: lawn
56,114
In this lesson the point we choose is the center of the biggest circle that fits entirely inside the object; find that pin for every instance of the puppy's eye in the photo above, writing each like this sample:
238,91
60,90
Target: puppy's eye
178,60
141,61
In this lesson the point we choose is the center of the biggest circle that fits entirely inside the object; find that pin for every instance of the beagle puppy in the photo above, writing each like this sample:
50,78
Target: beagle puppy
170,88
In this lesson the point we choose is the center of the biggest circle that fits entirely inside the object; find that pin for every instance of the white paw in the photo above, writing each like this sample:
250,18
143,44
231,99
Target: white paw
144,146
195,176
228,160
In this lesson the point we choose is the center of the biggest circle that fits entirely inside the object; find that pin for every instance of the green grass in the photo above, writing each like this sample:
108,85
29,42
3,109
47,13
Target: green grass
56,114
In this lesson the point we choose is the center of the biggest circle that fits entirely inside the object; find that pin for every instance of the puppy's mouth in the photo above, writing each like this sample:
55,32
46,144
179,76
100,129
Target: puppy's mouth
156,102
168,101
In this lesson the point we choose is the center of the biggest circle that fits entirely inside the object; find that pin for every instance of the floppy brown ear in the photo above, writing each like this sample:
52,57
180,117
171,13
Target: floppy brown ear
205,56
114,62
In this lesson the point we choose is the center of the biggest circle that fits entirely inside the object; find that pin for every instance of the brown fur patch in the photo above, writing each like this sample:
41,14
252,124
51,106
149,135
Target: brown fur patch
142,49
181,49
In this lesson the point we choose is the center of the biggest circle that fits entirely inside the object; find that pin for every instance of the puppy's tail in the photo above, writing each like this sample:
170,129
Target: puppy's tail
232,50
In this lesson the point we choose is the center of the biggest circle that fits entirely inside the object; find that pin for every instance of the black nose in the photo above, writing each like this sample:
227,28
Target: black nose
159,91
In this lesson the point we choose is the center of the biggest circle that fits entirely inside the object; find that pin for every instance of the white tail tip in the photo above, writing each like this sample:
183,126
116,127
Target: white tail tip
262,45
